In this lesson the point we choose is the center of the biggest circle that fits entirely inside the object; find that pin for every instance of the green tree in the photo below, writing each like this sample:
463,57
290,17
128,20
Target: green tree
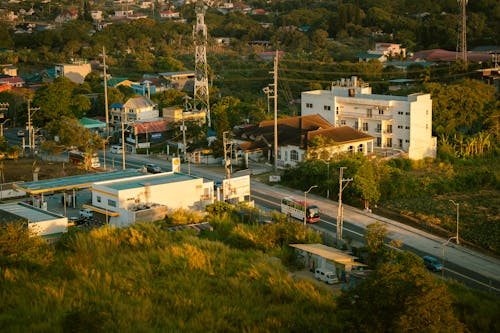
19,247
375,236
460,107
365,183
399,296
59,100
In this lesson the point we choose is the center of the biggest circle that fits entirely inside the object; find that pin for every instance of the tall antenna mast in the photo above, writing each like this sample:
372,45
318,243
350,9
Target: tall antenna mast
463,30
201,100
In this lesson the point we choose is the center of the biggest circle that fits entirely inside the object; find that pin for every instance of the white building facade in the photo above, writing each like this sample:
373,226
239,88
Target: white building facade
122,199
398,123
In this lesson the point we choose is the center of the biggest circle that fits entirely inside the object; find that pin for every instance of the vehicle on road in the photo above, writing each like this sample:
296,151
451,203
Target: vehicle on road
295,209
20,133
86,213
325,275
153,168
78,157
432,264
116,149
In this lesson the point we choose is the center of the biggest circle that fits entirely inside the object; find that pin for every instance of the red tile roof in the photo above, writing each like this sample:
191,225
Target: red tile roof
150,127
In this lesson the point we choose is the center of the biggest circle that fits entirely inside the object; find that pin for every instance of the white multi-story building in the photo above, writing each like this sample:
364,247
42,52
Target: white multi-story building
401,123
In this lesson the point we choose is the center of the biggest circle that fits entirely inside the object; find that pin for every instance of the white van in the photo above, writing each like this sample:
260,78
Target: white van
116,149
325,275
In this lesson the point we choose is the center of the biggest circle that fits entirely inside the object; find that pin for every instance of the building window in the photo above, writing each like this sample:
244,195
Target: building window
379,128
389,128
309,105
400,112
369,113
286,155
407,141
380,111
111,203
279,154
327,107
379,142
356,125
400,143
407,127
400,126
351,148
98,198
388,142
365,127
360,148
342,122
407,113
294,155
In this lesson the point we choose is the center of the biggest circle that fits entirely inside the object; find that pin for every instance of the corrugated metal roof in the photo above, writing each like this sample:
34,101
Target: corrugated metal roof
29,213
149,179
74,182
138,103
329,253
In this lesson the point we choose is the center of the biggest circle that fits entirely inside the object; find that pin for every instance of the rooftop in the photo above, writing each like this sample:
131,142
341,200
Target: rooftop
28,212
148,180
68,183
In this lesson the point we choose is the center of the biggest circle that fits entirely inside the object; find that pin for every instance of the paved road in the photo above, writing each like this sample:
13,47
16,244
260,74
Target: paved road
461,263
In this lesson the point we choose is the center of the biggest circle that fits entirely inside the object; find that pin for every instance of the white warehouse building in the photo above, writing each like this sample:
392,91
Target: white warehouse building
398,123
149,197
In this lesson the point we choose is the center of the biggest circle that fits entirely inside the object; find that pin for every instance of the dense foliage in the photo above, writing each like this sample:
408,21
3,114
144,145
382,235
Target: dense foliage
146,278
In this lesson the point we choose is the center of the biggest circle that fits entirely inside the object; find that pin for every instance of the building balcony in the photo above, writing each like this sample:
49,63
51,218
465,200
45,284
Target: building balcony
363,115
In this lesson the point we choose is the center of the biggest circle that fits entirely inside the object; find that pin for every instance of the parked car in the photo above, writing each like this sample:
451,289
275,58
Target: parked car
116,149
432,263
327,276
153,168
20,133
86,213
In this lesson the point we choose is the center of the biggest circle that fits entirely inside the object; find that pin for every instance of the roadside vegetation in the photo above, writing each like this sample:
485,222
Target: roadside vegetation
147,278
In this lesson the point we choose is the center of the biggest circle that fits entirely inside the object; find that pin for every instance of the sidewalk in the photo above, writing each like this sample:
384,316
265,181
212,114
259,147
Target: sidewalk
488,267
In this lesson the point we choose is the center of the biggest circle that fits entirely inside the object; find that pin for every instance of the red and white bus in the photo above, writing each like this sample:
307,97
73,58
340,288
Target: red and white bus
78,157
295,209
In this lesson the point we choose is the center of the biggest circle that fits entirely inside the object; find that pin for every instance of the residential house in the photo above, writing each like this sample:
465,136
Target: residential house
177,115
135,109
76,71
169,15
366,57
12,81
179,80
9,69
390,50
295,136
400,124
115,82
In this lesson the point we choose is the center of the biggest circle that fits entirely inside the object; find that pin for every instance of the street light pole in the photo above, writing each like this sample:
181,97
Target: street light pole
1,127
443,246
458,216
305,203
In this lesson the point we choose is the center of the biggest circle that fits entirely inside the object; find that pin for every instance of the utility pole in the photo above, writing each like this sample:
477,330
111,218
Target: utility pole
227,161
3,107
105,90
30,127
183,129
123,138
340,213
275,96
